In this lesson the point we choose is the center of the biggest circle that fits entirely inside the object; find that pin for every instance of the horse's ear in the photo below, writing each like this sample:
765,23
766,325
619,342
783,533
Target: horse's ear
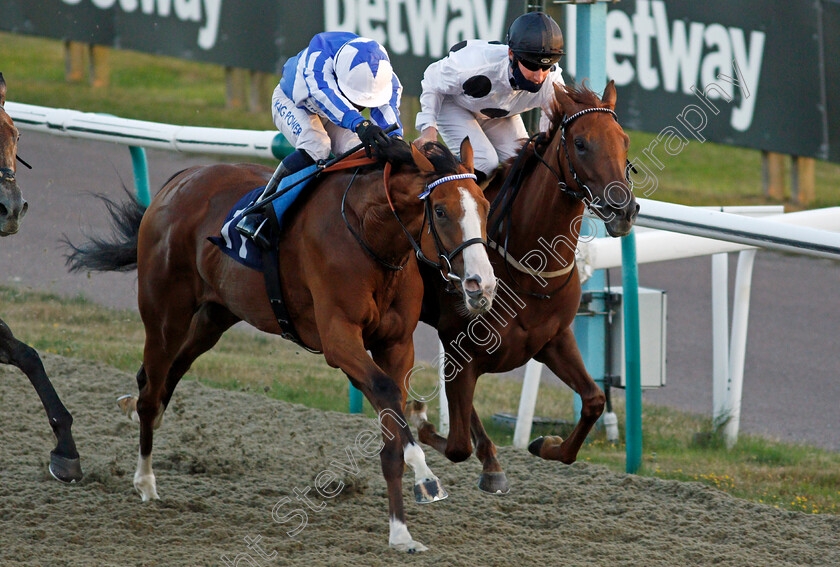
467,154
609,95
421,161
2,90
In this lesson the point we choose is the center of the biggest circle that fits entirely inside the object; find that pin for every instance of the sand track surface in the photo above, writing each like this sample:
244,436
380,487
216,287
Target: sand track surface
225,459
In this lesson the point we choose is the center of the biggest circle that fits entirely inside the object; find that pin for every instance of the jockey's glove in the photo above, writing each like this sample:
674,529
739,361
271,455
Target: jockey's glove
372,136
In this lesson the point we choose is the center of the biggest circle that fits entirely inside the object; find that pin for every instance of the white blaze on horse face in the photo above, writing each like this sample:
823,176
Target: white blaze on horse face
476,261
144,479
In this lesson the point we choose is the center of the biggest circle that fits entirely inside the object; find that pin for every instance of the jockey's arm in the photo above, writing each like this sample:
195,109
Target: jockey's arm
440,79
389,114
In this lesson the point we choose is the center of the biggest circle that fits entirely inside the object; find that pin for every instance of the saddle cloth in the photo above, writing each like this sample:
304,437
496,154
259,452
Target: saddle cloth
243,250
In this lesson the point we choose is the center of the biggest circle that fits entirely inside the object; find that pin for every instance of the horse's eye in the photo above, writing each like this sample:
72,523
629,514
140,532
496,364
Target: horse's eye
579,144
440,212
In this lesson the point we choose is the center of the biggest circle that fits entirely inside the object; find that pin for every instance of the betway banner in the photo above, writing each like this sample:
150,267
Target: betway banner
262,34
756,73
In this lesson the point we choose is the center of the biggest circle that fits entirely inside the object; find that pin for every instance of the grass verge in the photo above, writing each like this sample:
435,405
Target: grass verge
175,91
677,445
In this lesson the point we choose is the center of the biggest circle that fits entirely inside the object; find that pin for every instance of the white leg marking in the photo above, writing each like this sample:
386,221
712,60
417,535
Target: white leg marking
144,479
416,459
400,539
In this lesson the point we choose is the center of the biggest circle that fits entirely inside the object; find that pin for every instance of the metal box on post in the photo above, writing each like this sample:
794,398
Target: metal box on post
652,332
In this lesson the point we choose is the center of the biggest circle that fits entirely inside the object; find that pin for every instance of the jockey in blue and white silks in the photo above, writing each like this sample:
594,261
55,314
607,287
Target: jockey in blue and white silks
317,105
326,79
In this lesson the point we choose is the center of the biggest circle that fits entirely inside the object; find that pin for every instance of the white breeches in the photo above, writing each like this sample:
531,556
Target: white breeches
494,140
307,131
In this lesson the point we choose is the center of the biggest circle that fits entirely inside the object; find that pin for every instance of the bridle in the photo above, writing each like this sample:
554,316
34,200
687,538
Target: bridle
582,192
445,258
443,255
509,190
7,173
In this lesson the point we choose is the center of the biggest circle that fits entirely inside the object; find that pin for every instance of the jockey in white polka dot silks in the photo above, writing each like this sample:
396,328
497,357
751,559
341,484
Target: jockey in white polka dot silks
317,104
480,89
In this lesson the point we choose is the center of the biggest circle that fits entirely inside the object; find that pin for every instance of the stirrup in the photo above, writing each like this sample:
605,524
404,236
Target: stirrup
251,227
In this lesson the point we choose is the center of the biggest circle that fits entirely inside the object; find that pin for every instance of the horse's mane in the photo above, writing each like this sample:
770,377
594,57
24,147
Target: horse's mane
399,154
579,94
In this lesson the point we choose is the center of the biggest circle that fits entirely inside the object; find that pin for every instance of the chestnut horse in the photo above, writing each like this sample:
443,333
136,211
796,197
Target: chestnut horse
64,459
584,164
343,300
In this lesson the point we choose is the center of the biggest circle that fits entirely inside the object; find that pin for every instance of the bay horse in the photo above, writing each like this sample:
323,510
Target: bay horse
64,459
344,300
584,164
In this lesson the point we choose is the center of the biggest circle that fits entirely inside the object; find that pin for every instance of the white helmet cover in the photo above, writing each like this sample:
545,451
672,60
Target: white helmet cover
363,72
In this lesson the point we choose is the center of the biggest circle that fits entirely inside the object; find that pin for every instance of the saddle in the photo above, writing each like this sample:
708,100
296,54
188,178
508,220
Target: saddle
277,214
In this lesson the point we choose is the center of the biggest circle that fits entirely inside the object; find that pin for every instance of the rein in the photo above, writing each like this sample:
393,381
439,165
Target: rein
444,265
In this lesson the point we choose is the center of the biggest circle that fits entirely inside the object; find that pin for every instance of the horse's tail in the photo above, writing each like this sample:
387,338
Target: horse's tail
116,253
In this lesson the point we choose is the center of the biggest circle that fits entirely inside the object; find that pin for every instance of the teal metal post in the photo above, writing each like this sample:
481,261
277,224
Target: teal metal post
356,399
141,174
590,330
592,45
632,347
591,61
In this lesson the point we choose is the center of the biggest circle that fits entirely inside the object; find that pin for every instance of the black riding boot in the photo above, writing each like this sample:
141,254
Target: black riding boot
254,226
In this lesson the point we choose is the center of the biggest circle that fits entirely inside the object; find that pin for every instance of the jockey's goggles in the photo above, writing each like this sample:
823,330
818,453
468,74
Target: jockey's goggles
531,66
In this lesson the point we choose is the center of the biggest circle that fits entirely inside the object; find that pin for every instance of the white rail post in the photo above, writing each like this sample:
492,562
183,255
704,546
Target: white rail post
720,336
738,347
444,402
527,403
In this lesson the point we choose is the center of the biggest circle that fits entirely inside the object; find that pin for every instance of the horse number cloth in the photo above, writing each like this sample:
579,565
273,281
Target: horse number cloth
241,249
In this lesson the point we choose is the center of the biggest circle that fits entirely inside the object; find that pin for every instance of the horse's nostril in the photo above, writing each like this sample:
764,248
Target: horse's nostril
24,208
4,212
473,286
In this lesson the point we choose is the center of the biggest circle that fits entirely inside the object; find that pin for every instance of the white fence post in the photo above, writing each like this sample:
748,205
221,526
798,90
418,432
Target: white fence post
444,401
720,334
527,403
737,350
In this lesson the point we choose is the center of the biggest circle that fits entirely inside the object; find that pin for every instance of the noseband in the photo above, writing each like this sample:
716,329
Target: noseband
443,255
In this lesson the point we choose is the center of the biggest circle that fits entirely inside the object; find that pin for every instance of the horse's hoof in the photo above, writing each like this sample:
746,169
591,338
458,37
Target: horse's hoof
64,469
429,490
416,414
128,406
493,483
535,446
410,547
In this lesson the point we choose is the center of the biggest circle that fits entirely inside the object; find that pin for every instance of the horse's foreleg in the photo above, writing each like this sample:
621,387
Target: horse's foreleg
396,360
459,392
492,479
343,348
562,357
426,432
64,459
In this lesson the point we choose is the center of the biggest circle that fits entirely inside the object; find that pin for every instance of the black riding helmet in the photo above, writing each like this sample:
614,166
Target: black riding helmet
536,38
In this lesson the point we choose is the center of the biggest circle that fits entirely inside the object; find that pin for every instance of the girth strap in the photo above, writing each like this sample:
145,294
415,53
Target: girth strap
271,274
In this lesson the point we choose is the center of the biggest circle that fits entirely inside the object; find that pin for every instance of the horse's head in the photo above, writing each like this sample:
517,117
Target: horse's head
591,149
457,217
12,205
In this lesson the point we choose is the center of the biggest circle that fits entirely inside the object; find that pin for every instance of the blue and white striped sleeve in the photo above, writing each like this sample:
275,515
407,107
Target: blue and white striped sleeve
388,114
320,80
